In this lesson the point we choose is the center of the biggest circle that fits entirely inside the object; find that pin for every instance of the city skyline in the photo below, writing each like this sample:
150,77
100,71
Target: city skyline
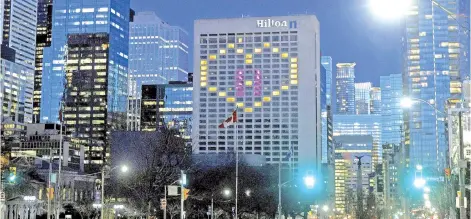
366,35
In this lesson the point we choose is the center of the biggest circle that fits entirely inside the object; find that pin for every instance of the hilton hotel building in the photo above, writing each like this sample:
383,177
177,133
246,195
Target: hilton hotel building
269,67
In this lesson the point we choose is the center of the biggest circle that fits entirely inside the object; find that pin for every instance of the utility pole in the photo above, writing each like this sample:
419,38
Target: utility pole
462,166
182,198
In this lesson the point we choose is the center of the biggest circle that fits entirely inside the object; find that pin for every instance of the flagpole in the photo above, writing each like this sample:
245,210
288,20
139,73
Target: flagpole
237,164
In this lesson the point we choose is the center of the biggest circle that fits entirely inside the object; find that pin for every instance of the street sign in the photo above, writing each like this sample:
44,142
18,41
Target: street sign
173,190
163,203
458,202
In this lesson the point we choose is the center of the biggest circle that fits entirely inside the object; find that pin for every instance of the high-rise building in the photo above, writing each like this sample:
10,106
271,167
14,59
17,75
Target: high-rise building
110,17
326,61
361,125
268,68
86,113
362,97
375,100
158,52
43,39
19,30
345,103
391,135
436,50
168,106
349,149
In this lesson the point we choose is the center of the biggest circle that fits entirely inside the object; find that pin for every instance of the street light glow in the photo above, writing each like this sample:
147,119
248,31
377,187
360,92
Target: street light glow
427,189
419,182
226,192
406,102
325,208
124,168
419,167
247,193
309,181
389,9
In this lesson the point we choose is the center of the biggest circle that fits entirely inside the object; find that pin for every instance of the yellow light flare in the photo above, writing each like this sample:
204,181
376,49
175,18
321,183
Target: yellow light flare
266,45
212,57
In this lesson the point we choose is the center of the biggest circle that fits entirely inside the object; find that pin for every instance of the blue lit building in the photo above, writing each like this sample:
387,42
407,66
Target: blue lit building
436,57
326,112
158,52
391,110
167,106
87,16
326,61
360,125
345,84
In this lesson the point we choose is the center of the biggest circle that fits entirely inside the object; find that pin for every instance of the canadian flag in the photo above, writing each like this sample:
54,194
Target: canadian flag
229,121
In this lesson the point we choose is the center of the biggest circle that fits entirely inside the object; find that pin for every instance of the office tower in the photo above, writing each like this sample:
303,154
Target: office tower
362,98
348,150
133,119
158,52
43,39
326,61
361,125
168,106
436,50
86,114
391,135
375,100
79,17
16,84
269,67
326,121
19,30
345,88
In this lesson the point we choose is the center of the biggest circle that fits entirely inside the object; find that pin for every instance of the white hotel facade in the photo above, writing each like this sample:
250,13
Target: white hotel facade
270,68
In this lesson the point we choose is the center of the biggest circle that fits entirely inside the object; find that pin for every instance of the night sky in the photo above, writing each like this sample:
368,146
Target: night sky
349,31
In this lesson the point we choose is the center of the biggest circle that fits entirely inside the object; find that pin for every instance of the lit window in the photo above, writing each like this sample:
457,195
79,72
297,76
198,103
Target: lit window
248,61
203,73
284,87
294,65
248,56
266,45
230,99
222,51
258,104
266,99
258,50
222,94
294,81
248,83
213,89
284,55
203,78
294,76
240,104
294,59
248,110
212,57
240,51
276,50
204,68
230,45
240,40
294,71
276,93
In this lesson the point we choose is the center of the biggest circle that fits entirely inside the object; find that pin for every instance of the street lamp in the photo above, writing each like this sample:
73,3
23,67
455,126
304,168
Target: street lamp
325,208
123,169
248,192
389,9
419,182
309,181
226,192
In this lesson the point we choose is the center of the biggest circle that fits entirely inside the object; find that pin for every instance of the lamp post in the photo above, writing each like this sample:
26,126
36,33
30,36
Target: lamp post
103,171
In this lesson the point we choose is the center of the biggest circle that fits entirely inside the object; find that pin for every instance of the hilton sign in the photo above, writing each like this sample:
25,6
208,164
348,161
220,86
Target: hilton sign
274,23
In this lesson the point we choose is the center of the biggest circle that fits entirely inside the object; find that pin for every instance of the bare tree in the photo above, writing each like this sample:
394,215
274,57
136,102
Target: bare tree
173,209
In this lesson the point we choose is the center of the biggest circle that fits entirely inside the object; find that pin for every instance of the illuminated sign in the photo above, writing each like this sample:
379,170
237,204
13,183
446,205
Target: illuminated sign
275,23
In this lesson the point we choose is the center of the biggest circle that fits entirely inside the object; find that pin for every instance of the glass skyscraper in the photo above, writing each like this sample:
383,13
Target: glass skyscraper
360,125
345,103
158,52
362,97
326,112
326,61
436,53
375,100
87,16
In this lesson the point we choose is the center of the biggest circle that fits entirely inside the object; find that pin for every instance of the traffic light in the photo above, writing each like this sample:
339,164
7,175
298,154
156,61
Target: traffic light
12,176
185,193
50,193
447,172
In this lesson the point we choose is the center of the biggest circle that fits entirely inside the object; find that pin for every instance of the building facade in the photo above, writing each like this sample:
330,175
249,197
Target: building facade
43,39
268,68
363,98
19,30
158,52
168,106
361,125
435,52
345,88
87,17
375,100
326,61
391,135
